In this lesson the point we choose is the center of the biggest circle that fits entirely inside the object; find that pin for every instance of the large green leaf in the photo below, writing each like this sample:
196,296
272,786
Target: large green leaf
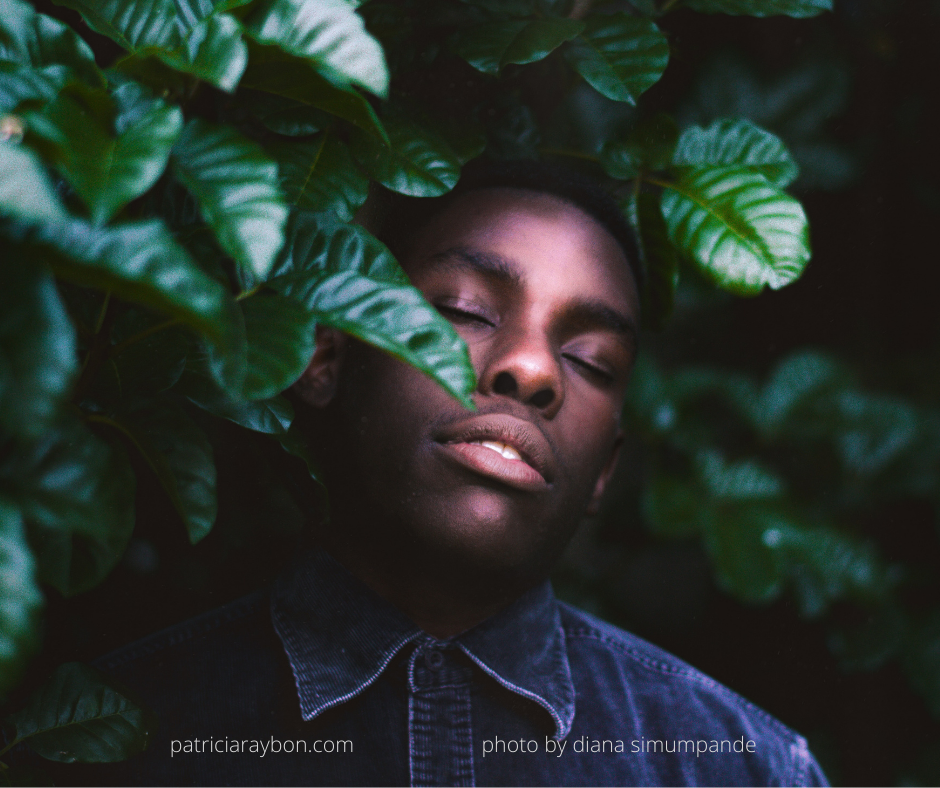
739,229
79,716
797,8
363,296
731,142
491,46
280,334
329,34
26,83
37,40
660,261
416,162
745,480
212,49
181,457
109,154
76,493
745,564
25,190
620,56
22,599
321,175
236,184
37,349
279,74
288,117
141,263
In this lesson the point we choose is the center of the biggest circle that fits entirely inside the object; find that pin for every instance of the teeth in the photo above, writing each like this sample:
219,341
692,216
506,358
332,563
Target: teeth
507,451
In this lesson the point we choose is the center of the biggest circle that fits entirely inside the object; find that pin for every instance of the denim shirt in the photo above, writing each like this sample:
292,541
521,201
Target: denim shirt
322,682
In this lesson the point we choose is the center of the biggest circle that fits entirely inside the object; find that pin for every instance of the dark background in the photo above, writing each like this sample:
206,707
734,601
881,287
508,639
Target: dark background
867,132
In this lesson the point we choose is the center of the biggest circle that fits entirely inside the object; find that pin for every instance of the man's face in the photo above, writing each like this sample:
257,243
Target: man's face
545,301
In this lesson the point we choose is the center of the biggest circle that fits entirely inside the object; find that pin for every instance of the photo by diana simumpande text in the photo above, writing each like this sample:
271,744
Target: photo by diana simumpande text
586,744
260,747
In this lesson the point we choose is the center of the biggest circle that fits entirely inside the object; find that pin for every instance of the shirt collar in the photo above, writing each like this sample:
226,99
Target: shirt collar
339,636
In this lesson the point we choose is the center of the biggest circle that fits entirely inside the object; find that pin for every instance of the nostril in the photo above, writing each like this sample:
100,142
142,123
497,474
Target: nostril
505,384
542,398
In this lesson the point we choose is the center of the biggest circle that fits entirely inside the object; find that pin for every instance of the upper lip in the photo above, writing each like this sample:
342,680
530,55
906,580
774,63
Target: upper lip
522,435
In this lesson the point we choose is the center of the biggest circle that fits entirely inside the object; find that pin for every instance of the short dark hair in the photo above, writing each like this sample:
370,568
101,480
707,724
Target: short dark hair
398,219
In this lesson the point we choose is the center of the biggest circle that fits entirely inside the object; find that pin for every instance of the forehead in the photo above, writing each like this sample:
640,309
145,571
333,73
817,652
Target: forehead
548,243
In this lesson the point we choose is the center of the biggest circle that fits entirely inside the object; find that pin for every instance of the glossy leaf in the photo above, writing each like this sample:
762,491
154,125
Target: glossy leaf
739,229
321,175
737,143
738,481
282,75
22,599
212,49
280,334
181,457
491,46
37,40
25,189
37,349
26,83
76,493
79,716
269,416
416,162
288,117
363,296
109,154
329,34
139,262
797,8
660,261
620,56
235,183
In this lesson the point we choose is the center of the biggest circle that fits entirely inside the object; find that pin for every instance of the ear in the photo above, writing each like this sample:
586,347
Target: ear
317,386
594,504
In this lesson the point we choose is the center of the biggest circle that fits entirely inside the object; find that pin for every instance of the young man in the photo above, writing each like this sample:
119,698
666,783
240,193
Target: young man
422,645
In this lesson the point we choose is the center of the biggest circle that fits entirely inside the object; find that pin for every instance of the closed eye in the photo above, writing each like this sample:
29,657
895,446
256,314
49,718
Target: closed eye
595,371
463,315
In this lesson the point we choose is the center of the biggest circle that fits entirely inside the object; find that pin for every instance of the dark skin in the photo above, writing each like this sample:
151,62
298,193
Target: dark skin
450,514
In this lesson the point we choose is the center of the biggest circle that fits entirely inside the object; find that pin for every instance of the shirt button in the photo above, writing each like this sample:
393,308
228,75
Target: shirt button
434,659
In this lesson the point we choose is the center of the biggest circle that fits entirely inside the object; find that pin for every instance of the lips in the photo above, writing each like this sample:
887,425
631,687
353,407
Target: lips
503,448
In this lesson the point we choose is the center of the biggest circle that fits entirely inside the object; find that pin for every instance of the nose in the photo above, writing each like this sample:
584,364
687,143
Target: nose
524,366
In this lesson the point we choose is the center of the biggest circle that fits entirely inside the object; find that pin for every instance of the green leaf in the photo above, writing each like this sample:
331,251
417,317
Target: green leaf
37,40
329,34
321,176
37,349
80,716
269,416
212,49
744,563
109,157
282,75
25,190
139,262
491,46
796,380
181,457
620,56
288,117
363,296
416,162
19,84
737,143
235,183
674,508
737,481
740,230
796,8
22,599
76,493
280,334
660,261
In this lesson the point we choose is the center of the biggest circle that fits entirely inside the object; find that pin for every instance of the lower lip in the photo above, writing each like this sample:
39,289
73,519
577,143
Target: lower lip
486,462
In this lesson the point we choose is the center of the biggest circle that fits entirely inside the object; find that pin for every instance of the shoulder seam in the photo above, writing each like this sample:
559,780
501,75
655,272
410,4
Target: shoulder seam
180,633
650,663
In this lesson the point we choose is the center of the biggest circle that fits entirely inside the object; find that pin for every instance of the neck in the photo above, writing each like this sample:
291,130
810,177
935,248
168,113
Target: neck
442,603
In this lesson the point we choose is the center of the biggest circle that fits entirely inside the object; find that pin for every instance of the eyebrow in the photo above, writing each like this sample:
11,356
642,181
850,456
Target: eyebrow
586,314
